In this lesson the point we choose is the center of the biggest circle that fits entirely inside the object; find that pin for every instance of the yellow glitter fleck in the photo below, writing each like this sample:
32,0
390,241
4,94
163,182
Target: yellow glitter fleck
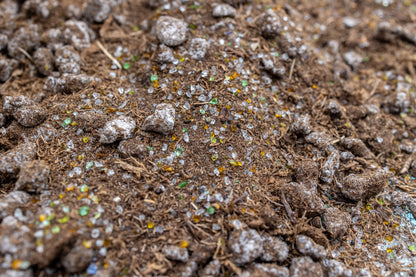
87,244
196,218
16,264
85,139
183,244
150,225
42,217
389,238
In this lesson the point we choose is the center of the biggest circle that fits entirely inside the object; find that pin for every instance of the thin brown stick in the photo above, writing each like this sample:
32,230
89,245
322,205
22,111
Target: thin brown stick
288,209
292,67
108,54
26,54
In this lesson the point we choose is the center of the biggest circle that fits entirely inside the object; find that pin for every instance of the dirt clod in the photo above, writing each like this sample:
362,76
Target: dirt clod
162,120
12,160
246,245
224,10
77,259
274,249
33,176
176,253
304,266
170,31
360,187
30,116
336,222
43,58
308,247
212,269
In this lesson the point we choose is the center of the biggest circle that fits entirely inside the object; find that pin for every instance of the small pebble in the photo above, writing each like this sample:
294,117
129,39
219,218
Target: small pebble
273,65
308,247
170,31
246,246
165,54
302,124
304,266
118,129
162,121
78,34
67,60
176,253
33,176
224,10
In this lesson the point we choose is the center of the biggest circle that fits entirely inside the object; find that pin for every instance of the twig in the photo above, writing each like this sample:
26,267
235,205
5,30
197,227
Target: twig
407,164
289,211
373,90
26,54
108,54
291,69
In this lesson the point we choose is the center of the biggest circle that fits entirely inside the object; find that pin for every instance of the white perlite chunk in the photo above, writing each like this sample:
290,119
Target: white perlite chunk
353,59
246,245
336,269
211,269
170,31
308,247
176,253
275,250
198,48
117,129
224,10
162,121
304,266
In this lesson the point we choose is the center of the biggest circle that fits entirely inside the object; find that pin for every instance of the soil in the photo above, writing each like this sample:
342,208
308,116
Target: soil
184,138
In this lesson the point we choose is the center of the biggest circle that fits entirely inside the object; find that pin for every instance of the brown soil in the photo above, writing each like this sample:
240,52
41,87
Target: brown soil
307,130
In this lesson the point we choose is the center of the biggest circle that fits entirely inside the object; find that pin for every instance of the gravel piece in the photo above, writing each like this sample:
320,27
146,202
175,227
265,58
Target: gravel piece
11,201
132,147
97,10
198,48
77,259
30,116
246,245
67,60
269,24
357,147
302,124
6,68
170,31
68,83
43,58
308,247
212,269
53,38
3,41
162,121
398,102
224,10
118,129
353,59
273,65
358,187
33,176
26,38
16,239
78,34
330,167
346,156
17,273
304,266
12,160
175,253
270,270
336,222
165,54
274,249
336,269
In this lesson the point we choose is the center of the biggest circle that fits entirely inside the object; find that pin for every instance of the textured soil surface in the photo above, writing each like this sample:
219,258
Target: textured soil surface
184,138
